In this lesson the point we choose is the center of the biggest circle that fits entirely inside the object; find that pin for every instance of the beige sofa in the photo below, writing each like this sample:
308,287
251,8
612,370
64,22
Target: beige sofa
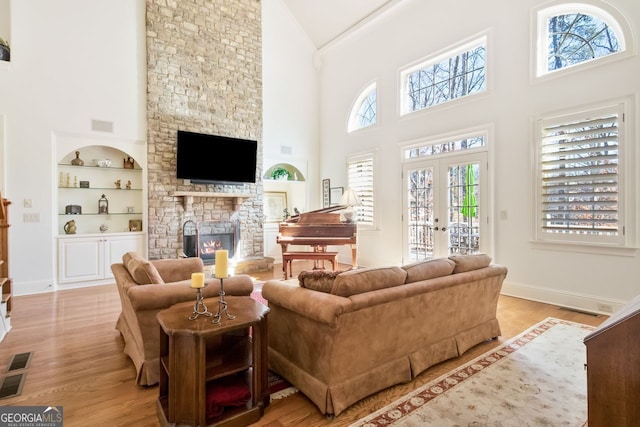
340,340
146,288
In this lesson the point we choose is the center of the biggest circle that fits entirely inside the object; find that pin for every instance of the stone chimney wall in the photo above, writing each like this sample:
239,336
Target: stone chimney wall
204,74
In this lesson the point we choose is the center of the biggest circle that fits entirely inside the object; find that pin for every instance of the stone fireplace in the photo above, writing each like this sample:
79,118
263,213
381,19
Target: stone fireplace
204,74
204,238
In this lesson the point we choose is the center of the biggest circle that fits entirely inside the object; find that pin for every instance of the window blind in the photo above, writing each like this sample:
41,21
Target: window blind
360,175
579,166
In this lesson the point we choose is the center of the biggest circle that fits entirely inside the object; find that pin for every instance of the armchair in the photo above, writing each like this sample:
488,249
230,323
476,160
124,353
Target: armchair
147,287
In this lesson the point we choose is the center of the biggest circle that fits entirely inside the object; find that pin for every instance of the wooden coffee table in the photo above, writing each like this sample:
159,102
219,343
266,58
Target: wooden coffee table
196,352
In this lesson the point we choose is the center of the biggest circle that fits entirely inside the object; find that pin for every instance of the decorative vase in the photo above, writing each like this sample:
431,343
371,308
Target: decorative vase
77,161
5,53
70,227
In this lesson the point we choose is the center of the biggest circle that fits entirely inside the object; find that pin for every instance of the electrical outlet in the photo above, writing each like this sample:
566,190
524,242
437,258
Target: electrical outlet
605,308
31,217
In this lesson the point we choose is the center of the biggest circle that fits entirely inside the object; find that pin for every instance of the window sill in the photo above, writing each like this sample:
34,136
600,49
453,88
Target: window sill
624,251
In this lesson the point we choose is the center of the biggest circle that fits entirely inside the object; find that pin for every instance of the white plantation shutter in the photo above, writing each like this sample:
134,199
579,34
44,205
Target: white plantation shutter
360,174
580,180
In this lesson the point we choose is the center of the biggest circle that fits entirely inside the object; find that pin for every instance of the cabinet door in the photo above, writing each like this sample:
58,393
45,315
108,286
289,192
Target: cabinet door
116,246
80,259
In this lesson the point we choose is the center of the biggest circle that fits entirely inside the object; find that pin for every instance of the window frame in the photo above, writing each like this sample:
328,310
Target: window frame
625,242
539,37
360,157
446,53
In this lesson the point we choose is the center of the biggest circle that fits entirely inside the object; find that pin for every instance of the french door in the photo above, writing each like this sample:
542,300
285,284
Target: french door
445,206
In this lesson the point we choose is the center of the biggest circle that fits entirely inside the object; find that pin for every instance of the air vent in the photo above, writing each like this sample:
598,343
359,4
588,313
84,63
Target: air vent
11,385
19,361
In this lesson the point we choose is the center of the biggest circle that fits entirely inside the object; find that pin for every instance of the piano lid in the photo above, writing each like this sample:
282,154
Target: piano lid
319,216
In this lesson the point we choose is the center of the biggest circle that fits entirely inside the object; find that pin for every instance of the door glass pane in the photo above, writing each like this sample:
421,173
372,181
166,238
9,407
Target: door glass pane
420,213
463,210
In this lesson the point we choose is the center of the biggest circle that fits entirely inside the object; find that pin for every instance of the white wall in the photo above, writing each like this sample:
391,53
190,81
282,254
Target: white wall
290,97
416,29
71,61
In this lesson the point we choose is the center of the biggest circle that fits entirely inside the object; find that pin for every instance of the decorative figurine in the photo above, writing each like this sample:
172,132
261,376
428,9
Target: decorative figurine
77,161
117,183
103,228
128,185
128,163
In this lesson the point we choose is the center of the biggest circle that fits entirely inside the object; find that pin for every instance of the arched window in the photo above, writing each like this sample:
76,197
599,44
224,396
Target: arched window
364,110
575,33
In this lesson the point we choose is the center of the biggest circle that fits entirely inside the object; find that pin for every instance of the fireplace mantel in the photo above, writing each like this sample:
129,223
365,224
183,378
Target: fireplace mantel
187,196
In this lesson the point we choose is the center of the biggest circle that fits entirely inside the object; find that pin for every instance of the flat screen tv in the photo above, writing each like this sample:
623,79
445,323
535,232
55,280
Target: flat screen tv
204,158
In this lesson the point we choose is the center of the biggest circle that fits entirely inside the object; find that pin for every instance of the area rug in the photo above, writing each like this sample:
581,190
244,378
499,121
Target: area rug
279,388
256,294
535,379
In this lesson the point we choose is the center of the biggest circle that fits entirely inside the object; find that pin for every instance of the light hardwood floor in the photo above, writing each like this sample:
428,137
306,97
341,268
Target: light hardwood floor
78,361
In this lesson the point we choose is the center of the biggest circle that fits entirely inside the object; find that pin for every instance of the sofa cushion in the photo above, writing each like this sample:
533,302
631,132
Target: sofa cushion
317,280
470,262
354,282
429,269
142,271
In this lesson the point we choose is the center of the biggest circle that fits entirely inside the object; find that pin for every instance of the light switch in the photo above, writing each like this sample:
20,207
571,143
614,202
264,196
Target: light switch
31,217
27,203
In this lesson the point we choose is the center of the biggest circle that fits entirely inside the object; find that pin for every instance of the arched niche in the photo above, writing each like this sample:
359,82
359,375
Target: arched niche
284,172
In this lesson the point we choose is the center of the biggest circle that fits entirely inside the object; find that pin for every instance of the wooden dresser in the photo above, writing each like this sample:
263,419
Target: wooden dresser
613,369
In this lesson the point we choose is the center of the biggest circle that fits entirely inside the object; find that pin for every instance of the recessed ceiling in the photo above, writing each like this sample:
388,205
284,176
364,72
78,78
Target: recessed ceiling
324,20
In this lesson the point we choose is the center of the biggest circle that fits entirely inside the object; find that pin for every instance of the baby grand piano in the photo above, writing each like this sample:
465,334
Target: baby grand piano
318,229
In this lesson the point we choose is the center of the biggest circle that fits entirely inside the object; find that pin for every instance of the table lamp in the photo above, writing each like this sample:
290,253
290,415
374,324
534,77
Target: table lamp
350,199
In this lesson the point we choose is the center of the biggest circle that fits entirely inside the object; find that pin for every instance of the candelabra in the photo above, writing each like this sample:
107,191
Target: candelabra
222,306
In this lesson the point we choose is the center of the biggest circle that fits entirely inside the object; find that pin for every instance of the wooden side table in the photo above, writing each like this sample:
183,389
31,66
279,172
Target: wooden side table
196,352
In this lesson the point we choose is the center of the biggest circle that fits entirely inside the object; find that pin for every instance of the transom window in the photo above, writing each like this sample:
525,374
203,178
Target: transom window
457,73
446,146
572,34
363,113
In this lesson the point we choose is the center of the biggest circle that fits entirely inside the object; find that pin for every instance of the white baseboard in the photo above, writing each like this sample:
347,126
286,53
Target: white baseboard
30,288
582,302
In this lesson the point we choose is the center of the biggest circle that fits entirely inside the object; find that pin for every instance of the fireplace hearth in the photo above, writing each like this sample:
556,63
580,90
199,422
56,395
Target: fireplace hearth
204,238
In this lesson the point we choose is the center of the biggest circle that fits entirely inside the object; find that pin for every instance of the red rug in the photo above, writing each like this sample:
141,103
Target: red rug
257,293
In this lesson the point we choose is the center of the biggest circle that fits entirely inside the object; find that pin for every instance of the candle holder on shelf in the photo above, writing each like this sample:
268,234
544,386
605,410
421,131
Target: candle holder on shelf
222,306
199,308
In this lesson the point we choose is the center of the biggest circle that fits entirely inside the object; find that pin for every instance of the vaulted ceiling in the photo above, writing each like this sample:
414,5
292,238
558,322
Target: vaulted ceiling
324,20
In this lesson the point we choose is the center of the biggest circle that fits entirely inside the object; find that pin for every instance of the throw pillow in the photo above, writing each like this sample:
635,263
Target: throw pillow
362,280
429,269
317,280
142,271
470,262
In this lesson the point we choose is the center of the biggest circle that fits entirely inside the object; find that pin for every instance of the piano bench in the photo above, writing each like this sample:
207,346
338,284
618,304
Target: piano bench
288,257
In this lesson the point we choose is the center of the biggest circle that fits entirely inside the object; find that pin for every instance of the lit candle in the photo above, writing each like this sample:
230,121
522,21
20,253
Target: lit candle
222,257
197,280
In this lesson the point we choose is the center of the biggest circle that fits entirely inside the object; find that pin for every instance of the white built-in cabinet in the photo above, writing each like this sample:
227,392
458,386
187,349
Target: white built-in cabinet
88,258
111,172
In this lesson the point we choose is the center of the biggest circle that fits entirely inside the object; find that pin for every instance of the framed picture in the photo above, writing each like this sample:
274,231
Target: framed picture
275,202
336,194
135,225
326,196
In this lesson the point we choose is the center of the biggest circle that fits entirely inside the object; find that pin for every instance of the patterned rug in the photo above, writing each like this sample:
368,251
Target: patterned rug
535,379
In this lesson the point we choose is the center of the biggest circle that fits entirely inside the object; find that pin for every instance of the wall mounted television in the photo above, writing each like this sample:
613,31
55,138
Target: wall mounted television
204,158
